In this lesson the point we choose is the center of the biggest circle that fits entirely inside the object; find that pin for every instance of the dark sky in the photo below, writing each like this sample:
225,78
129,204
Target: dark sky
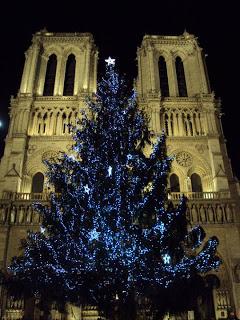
118,28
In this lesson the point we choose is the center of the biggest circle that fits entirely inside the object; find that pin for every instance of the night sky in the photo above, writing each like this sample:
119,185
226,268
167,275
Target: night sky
118,29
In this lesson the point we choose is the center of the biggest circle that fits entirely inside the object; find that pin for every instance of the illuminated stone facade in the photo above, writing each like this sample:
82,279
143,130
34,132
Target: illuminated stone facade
172,84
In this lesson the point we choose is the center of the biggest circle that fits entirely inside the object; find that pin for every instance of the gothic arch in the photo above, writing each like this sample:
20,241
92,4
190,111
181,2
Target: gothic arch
71,50
35,163
174,182
52,49
162,53
181,77
70,72
198,165
204,173
180,173
196,182
34,167
163,76
180,53
50,76
37,182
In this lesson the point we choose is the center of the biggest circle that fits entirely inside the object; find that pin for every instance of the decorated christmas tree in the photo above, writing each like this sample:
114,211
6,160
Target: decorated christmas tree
110,237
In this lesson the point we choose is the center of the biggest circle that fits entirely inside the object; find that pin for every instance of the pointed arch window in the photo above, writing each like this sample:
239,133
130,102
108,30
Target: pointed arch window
50,76
174,183
196,183
37,183
69,76
182,87
163,77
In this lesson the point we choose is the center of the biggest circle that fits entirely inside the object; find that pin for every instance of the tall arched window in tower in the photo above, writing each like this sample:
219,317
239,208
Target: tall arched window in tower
196,183
50,76
37,183
174,183
163,77
182,87
69,76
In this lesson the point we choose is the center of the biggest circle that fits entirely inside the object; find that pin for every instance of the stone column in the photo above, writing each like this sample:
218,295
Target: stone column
175,124
187,73
95,72
32,73
172,81
193,124
20,120
169,124
60,76
198,121
87,68
34,124
42,75
50,123
203,122
77,75
157,116
139,84
12,119
188,126
25,120
181,124
213,121
203,76
26,69
30,126
150,52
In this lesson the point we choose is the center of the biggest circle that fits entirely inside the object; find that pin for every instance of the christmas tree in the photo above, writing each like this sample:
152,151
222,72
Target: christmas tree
110,236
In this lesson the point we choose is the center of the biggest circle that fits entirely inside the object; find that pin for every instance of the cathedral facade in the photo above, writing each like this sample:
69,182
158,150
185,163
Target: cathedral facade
173,87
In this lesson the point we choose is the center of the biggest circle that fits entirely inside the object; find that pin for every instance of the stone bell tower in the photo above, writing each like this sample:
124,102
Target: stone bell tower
60,71
173,86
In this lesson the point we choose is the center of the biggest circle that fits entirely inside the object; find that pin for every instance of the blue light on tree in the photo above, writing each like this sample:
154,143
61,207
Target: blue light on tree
166,258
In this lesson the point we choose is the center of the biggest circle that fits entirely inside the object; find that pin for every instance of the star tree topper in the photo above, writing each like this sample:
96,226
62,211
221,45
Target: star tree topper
110,61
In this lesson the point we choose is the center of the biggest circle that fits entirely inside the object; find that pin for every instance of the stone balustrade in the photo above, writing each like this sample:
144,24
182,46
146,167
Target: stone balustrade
200,195
203,207
20,196
17,208
208,207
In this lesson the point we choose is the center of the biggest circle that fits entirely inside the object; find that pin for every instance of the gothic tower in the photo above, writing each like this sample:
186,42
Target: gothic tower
60,70
173,86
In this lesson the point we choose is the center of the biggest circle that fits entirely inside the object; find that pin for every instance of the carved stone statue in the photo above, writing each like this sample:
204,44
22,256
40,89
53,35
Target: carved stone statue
210,214
21,215
29,215
13,215
202,214
229,214
194,214
219,214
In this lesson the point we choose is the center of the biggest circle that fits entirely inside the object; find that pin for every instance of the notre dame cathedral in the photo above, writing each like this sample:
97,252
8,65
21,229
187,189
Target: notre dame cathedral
173,86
